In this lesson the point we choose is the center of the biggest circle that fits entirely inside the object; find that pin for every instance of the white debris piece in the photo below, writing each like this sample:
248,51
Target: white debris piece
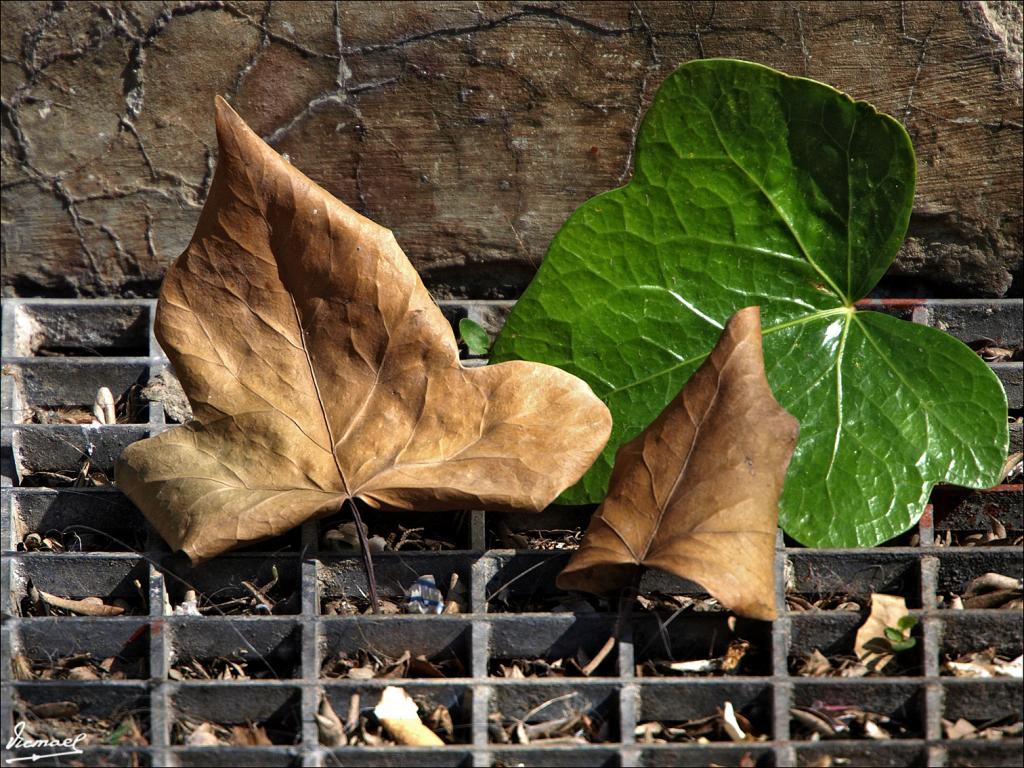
189,606
103,409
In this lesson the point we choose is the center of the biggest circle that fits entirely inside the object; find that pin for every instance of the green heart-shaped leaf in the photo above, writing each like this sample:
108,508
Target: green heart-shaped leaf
753,187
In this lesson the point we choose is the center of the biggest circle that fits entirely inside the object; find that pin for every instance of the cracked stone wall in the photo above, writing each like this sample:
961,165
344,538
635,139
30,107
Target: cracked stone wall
470,129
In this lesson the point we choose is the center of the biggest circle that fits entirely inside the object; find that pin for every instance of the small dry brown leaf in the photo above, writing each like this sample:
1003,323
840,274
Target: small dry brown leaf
994,354
986,663
992,582
440,721
961,729
250,735
734,655
870,644
55,709
319,369
82,673
696,494
203,735
87,606
329,725
1011,466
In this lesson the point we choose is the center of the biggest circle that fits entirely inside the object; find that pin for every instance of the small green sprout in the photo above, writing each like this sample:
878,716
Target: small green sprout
899,636
474,336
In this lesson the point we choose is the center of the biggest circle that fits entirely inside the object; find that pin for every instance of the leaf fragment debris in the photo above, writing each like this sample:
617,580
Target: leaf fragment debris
1013,467
562,719
725,725
79,666
995,536
329,725
799,603
825,720
272,597
993,591
536,538
364,664
729,663
33,542
363,727
816,664
393,536
581,664
237,666
985,664
994,730
193,733
399,715
992,351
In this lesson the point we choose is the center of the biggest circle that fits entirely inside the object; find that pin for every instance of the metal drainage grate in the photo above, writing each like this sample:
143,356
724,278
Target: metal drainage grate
57,353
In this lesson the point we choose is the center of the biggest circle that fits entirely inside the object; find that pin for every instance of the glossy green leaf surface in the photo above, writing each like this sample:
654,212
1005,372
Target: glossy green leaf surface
753,187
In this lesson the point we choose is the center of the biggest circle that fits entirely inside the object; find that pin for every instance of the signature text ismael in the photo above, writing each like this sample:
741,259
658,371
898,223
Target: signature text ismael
18,740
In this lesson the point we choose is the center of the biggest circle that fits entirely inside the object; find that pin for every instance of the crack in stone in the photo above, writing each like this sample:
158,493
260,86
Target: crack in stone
699,28
150,244
803,43
922,53
653,63
470,29
77,220
262,26
338,95
122,254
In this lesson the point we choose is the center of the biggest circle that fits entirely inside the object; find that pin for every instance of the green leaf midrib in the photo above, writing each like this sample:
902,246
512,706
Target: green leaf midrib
691,360
903,380
839,405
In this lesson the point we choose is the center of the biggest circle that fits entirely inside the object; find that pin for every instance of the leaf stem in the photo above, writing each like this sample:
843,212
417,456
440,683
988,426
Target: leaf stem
364,547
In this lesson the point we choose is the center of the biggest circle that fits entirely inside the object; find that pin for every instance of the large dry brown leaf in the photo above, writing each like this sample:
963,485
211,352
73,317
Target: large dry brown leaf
696,494
319,369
